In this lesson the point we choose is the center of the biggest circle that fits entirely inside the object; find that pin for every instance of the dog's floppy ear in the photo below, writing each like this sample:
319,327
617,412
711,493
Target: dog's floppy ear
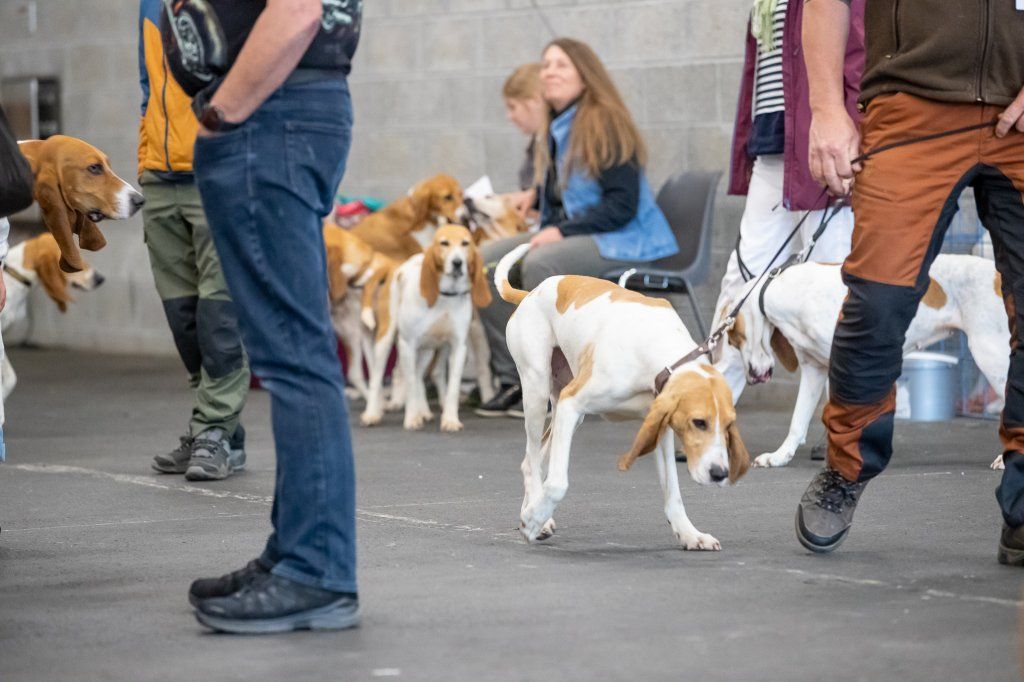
481,292
337,283
58,217
430,276
419,201
650,432
784,351
739,458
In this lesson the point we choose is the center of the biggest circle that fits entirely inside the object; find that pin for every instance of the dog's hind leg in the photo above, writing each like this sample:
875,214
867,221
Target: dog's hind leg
564,423
812,383
374,410
686,533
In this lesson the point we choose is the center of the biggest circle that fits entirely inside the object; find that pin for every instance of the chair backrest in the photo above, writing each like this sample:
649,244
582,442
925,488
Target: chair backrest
688,201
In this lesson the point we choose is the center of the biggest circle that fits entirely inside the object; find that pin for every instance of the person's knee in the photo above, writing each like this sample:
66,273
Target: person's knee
219,341
536,268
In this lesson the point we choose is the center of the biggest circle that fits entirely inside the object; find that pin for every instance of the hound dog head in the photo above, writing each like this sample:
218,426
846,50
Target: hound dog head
436,200
760,343
42,257
697,405
348,257
453,259
492,217
76,188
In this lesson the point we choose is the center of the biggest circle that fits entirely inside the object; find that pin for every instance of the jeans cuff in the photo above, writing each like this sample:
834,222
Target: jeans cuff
308,580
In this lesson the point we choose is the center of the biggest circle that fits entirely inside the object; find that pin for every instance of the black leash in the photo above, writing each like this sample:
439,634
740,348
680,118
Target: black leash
713,340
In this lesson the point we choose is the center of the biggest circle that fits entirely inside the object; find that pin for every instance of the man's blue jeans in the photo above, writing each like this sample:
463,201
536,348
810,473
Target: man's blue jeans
266,187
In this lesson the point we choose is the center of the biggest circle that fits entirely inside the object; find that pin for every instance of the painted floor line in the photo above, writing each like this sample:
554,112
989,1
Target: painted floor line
136,522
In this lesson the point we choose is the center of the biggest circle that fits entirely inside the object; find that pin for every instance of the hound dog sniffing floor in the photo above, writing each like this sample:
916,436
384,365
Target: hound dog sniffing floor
781,320
405,227
36,261
590,347
429,306
355,273
76,188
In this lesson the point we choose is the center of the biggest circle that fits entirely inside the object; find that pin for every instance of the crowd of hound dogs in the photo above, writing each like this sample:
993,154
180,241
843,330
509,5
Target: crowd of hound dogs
411,276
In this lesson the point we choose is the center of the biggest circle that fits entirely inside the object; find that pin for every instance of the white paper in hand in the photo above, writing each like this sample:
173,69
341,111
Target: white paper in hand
481,188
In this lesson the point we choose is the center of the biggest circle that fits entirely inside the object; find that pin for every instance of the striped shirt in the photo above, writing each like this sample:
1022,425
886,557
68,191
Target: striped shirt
768,76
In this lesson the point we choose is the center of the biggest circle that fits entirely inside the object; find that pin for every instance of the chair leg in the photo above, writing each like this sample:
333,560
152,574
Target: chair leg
692,295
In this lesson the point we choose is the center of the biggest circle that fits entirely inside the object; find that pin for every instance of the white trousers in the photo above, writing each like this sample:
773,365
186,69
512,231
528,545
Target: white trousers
765,225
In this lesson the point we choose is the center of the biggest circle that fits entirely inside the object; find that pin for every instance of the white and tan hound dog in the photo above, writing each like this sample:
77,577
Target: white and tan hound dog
429,304
590,347
35,261
794,318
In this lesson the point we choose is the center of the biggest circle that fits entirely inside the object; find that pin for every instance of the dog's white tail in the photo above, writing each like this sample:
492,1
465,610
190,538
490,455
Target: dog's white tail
506,290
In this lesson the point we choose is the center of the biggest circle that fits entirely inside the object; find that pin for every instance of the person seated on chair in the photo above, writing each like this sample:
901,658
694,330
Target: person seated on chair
597,210
526,108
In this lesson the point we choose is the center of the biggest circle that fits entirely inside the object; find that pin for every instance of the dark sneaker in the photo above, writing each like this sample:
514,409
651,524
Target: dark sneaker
507,403
212,459
825,512
227,584
275,604
175,461
1011,546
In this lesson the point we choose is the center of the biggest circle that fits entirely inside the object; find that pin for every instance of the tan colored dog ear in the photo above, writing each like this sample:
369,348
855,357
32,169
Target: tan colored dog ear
481,292
430,276
89,236
650,432
58,219
739,458
419,202
784,351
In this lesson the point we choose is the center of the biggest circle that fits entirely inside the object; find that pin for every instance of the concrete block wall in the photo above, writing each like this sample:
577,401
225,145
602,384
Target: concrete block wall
426,86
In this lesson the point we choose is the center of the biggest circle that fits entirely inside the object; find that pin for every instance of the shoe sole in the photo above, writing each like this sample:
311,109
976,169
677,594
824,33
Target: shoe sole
330,617
1010,557
519,414
200,474
818,549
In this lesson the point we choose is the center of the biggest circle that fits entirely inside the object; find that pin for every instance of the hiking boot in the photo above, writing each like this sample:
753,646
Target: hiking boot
227,584
1011,546
212,458
175,461
825,512
507,403
275,604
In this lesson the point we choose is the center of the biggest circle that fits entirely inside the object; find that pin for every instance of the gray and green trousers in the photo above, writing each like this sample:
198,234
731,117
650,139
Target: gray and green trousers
199,309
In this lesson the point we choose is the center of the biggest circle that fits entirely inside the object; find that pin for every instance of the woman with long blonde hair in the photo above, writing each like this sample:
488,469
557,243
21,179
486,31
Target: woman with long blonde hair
597,209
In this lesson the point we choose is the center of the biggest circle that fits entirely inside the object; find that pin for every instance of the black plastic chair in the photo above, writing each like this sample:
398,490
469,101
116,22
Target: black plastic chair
688,202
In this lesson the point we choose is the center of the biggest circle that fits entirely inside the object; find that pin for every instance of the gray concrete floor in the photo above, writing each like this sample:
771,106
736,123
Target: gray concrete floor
97,552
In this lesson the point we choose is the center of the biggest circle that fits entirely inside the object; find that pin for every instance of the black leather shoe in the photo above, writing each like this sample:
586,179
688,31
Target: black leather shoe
208,588
825,512
1011,546
275,604
507,403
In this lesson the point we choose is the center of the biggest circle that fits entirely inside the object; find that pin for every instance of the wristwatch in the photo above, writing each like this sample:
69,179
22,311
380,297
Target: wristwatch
212,118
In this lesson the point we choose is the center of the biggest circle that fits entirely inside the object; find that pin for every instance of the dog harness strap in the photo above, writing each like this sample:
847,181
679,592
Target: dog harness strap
17,276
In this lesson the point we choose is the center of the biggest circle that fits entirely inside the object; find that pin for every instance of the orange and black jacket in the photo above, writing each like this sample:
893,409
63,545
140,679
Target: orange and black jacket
168,128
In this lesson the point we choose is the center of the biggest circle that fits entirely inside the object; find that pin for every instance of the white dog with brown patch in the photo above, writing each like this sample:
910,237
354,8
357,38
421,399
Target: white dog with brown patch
428,303
591,347
781,320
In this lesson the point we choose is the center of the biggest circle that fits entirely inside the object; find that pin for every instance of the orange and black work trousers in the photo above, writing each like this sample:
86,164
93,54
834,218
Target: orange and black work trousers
903,202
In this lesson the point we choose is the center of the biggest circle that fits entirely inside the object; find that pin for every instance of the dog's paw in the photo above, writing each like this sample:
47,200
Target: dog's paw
698,541
414,422
997,464
370,418
547,530
451,425
773,459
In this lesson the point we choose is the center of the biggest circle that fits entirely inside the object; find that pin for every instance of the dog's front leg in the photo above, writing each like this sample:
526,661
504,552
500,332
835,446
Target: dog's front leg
541,508
450,408
686,533
409,357
812,383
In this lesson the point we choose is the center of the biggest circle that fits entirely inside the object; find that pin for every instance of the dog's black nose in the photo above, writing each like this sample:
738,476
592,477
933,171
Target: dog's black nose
137,200
718,474
98,279
456,264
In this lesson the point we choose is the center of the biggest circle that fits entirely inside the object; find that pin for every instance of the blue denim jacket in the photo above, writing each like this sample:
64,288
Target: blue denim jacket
647,237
